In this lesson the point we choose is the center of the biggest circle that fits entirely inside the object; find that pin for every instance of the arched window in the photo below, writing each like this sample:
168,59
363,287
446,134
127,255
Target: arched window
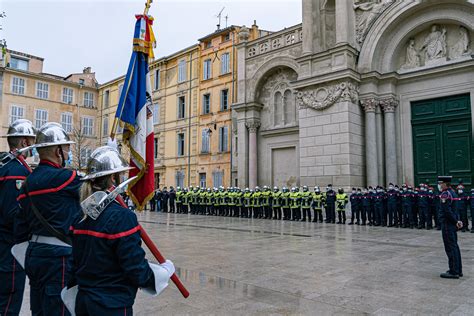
278,109
290,107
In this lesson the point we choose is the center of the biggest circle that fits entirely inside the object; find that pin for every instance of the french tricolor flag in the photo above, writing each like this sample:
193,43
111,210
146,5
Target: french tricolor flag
134,113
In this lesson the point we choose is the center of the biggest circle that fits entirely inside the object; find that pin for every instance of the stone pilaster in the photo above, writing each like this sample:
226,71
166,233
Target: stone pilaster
380,143
389,105
369,105
253,126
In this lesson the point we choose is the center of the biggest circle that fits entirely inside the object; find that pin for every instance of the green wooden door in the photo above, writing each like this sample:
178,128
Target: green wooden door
442,139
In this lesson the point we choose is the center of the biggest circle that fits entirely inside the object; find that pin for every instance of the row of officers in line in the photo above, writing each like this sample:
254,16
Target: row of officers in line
392,207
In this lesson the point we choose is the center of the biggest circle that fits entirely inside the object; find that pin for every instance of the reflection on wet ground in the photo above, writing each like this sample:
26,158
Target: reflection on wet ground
236,266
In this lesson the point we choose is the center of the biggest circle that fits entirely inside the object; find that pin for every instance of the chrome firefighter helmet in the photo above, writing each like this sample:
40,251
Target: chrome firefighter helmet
305,188
52,134
105,160
275,188
21,128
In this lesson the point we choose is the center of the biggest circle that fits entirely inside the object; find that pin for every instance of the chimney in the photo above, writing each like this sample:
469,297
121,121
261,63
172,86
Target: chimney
86,70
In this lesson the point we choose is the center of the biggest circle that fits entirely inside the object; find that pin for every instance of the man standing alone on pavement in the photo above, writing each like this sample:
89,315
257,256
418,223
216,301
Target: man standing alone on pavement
450,223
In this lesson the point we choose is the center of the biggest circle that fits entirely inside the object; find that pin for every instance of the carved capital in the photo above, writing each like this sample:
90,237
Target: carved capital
369,105
389,105
253,125
323,97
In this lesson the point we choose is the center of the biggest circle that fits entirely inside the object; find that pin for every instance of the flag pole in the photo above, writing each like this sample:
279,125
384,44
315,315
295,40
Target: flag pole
116,121
147,7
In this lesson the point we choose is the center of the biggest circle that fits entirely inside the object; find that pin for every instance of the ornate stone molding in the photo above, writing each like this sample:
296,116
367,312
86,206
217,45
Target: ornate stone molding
323,97
389,105
253,125
369,105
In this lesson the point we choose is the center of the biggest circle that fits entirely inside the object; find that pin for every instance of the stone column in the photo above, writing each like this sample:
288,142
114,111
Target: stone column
345,21
308,28
380,145
253,162
371,160
389,106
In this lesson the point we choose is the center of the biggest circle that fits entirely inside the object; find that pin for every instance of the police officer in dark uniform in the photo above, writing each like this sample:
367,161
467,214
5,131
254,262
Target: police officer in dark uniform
366,205
109,262
172,199
407,204
379,201
471,199
49,201
461,207
392,204
450,223
330,204
355,207
13,171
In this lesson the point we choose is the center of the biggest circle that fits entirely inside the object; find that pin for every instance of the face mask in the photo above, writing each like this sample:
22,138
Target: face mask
390,188
439,187
405,189
353,192
460,191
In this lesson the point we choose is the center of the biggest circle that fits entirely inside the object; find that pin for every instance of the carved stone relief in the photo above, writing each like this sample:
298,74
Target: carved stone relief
323,97
366,13
435,46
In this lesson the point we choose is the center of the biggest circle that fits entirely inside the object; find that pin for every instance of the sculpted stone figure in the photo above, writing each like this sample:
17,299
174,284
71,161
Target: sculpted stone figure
412,59
462,45
367,12
435,45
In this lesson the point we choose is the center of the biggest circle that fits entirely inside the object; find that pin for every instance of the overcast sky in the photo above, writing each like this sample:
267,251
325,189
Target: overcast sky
72,34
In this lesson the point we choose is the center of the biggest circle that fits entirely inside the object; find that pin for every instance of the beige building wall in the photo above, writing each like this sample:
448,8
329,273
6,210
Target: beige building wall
170,164
29,102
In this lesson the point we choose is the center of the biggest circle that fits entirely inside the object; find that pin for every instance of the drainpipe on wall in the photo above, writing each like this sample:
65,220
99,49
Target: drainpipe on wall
189,117
233,100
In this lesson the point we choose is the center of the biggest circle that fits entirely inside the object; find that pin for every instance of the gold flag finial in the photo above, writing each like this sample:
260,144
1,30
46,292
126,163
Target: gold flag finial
147,7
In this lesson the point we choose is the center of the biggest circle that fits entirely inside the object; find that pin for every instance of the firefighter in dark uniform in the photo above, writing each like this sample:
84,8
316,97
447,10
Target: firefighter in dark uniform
276,203
238,196
266,207
341,202
317,205
185,205
257,203
355,207
49,201
306,201
295,204
450,222
246,209
179,199
392,205
13,171
109,262
285,204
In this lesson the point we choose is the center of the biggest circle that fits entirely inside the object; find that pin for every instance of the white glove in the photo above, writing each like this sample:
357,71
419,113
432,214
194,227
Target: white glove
169,266
163,273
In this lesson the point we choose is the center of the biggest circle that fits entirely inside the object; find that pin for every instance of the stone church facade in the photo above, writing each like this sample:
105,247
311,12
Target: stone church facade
361,93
